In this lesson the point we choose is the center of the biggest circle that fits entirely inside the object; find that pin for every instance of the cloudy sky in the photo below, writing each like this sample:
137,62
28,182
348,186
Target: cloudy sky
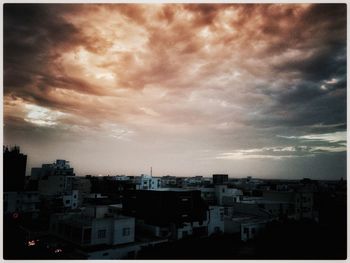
189,89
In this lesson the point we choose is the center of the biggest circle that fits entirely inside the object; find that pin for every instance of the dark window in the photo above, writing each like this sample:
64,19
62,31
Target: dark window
67,230
76,234
87,235
101,233
126,231
67,201
245,230
226,210
253,230
60,228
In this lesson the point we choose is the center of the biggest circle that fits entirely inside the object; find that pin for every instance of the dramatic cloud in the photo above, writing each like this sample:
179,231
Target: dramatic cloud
247,89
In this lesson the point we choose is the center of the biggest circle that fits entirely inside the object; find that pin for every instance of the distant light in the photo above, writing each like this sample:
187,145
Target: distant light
58,250
31,243
15,215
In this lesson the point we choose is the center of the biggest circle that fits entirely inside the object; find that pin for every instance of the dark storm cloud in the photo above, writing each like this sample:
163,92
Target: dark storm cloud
34,37
220,77
325,63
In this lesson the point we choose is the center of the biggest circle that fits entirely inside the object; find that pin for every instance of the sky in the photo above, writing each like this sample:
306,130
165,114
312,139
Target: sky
189,89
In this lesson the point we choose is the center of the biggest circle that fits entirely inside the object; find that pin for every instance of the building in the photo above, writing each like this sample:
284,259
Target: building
221,195
148,182
94,226
165,206
227,196
300,201
15,164
21,204
247,220
83,185
168,181
220,179
54,179
194,181
57,185
252,228
110,186
213,224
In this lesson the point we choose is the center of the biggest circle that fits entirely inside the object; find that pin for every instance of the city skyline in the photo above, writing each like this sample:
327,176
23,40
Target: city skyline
189,89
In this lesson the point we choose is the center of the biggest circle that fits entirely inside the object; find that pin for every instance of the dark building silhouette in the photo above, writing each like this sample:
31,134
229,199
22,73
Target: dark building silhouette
220,178
165,206
110,187
14,169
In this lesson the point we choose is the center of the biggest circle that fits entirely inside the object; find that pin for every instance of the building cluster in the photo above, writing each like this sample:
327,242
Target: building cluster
115,217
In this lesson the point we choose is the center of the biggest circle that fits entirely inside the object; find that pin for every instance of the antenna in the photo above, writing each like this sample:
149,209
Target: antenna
151,170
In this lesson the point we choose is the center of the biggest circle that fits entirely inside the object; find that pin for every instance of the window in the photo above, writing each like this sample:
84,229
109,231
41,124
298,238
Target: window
226,211
245,230
67,201
87,235
253,230
101,233
126,231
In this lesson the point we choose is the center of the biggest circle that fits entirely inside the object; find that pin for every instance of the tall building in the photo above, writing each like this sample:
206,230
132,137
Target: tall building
14,169
220,178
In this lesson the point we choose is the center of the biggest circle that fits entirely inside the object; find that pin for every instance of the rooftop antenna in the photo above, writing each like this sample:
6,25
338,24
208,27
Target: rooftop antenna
151,170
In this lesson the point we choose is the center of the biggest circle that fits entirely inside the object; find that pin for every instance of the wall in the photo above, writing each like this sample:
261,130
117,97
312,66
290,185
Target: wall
119,225
216,219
